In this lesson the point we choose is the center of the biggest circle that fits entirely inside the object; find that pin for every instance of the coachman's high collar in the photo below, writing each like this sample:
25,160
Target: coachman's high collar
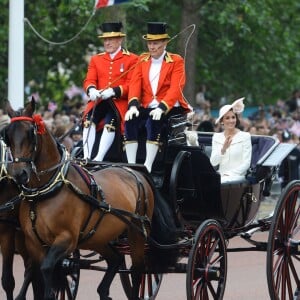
124,52
167,58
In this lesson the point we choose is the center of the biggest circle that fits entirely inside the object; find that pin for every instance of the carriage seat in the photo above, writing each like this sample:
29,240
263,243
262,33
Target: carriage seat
262,146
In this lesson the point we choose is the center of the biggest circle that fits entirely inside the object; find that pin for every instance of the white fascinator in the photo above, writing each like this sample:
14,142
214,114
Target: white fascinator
237,106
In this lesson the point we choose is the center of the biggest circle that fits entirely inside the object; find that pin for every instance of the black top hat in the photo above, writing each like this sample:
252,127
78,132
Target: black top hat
76,130
111,30
286,135
156,31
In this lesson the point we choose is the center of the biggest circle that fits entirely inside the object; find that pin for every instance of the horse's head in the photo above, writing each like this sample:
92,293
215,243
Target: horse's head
21,136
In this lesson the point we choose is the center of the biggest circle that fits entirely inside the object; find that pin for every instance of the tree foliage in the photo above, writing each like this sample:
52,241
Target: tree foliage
250,48
238,48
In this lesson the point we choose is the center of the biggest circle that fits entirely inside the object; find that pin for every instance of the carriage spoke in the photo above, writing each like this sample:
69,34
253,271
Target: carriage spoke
142,285
213,248
288,280
212,290
283,259
278,272
68,291
206,274
294,272
149,284
294,221
197,287
205,292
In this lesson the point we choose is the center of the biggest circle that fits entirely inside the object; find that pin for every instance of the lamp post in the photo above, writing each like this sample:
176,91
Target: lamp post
16,54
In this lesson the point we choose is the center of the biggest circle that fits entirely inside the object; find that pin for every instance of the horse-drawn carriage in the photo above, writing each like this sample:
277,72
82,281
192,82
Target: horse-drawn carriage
116,209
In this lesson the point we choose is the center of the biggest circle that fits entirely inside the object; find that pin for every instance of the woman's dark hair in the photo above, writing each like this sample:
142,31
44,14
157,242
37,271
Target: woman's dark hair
238,122
206,126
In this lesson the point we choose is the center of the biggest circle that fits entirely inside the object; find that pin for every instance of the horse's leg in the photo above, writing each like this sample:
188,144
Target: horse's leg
25,285
54,255
21,249
32,275
113,260
8,248
8,281
137,248
37,281
32,272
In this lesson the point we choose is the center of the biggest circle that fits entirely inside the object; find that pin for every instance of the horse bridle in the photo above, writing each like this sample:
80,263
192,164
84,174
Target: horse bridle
34,148
38,128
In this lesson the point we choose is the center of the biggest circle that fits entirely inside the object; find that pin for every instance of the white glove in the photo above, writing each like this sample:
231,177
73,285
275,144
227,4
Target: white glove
107,93
190,115
156,113
191,138
94,94
133,111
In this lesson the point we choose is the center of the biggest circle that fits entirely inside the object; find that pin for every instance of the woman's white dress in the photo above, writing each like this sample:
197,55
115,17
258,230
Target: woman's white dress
235,162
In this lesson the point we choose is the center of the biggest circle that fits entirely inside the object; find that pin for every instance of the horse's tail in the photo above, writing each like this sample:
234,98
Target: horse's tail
163,234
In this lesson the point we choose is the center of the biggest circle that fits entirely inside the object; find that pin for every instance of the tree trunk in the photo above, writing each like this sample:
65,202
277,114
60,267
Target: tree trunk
188,47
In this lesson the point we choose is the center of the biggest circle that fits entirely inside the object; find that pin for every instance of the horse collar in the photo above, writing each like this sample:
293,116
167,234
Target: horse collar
54,183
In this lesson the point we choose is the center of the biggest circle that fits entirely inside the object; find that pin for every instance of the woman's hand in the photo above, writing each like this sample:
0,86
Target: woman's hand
226,144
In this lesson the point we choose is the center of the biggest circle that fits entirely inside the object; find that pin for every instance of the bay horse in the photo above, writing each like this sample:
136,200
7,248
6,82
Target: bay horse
67,207
11,237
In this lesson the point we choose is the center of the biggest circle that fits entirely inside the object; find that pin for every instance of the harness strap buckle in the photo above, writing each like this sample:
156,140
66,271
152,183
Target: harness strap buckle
106,210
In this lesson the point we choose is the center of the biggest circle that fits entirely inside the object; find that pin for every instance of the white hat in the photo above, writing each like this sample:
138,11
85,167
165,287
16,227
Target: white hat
237,106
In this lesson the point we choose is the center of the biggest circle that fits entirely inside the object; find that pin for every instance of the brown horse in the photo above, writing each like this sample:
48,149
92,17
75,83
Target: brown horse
11,238
71,208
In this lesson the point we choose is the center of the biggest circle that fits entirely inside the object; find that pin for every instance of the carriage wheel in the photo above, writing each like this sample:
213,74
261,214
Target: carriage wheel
149,286
207,264
283,251
70,271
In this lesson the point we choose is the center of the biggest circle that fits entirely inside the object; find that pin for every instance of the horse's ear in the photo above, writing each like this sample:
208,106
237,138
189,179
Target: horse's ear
30,108
8,108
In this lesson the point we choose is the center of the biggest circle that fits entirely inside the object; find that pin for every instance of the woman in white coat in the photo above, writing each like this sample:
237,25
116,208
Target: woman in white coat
231,149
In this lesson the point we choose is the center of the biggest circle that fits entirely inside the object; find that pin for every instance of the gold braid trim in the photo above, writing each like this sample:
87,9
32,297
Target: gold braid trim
110,128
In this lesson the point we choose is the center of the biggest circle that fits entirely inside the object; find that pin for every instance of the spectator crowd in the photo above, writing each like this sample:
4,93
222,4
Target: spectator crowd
281,120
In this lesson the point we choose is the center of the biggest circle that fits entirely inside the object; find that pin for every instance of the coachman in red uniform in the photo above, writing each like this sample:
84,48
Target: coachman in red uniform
107,78
155,93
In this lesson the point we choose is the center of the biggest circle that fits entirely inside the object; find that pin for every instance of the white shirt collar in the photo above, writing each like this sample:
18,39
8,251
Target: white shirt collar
112,55
160,59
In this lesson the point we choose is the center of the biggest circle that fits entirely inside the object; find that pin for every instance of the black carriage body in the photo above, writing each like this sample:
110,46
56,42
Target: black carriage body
201,196
194,187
